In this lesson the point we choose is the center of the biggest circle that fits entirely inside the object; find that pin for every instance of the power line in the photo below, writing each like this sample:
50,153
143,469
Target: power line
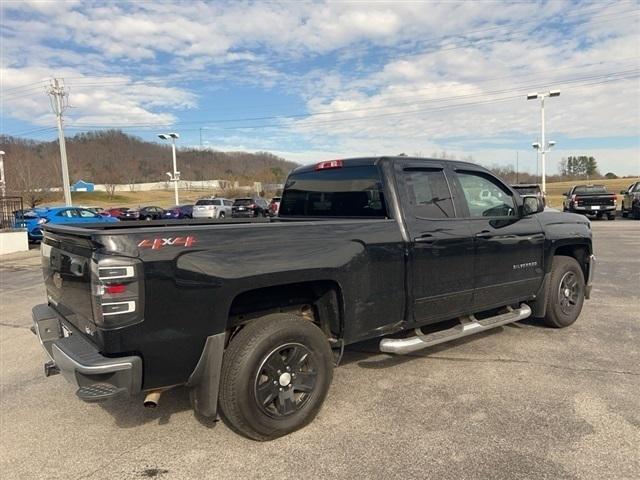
517,87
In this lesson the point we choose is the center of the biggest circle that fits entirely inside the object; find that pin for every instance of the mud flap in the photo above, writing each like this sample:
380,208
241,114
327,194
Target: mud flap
204,382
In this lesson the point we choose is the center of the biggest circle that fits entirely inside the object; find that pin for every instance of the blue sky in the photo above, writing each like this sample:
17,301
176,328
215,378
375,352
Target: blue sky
317,80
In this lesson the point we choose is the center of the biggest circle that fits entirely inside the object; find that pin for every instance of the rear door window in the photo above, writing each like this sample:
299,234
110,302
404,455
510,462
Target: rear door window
337,192
428,193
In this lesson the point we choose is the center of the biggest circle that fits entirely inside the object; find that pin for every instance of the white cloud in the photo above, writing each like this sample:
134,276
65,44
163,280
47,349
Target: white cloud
411,76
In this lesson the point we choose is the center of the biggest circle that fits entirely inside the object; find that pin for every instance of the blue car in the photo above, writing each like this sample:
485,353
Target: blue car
34,219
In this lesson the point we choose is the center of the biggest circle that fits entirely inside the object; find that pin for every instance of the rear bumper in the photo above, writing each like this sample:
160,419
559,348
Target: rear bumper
97,377
590,275
604,208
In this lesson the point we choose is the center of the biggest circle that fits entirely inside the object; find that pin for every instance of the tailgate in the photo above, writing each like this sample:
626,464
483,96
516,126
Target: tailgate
66,267
88,288
601,200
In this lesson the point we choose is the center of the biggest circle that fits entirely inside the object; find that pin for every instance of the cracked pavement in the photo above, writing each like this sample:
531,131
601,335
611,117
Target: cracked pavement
520,401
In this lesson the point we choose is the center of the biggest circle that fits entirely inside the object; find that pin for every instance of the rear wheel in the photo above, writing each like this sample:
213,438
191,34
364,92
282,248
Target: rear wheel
222,215
275,376
625,214
565,292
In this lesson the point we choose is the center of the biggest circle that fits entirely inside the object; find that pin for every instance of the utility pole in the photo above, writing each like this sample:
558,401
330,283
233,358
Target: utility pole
543,146
59,103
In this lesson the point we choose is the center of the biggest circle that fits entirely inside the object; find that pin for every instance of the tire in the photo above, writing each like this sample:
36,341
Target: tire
635,213
611,216
625,214
249,370
565,292
222,215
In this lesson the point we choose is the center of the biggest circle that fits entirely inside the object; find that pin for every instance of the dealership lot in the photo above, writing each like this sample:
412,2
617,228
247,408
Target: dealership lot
520,401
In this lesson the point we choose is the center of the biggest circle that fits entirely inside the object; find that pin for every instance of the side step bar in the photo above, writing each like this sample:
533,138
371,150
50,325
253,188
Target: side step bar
468,326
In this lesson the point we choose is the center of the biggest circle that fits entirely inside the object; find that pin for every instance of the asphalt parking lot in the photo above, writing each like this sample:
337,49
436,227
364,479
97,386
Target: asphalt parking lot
522,401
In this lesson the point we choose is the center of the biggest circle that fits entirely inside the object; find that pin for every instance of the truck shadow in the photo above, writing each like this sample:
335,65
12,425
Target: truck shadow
130,413
367,354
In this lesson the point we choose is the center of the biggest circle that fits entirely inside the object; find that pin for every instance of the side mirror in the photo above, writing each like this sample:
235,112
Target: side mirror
623,192
532,204
565,194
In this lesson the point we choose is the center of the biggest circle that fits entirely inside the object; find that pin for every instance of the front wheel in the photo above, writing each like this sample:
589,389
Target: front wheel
565,292
275,376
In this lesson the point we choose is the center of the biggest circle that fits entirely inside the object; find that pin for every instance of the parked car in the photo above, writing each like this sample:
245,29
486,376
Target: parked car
98,210
631,201
591,200
366,248
178,211
250,207
116,212
530,189
274,206
212,207
151,213
129,214
58,216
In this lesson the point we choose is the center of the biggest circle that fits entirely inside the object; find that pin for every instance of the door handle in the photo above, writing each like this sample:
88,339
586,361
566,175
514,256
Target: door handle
426,238
484,234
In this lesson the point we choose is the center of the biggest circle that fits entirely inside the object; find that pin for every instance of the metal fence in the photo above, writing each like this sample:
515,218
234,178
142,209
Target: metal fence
11,211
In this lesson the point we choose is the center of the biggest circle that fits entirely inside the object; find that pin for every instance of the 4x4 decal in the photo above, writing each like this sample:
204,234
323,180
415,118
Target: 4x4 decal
158,243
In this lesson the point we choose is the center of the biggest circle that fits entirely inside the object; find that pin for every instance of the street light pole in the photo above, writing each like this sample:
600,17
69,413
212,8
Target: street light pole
3,185
175,169
175,177
543,147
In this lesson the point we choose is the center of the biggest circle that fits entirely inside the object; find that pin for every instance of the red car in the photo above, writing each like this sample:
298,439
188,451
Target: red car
115,211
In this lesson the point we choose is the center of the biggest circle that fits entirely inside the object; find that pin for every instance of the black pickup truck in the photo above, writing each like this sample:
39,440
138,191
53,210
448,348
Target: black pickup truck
366,248
591,200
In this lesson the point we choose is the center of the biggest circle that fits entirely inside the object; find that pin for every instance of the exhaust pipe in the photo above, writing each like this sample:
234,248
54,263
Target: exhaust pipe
152,399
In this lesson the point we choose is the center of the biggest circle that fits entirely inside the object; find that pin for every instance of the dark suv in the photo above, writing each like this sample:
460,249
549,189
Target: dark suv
250,207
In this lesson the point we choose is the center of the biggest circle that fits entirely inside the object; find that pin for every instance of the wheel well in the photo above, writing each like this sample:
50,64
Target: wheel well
317,301
579,252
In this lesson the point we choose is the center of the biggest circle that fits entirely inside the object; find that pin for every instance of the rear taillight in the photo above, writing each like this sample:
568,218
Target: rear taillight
253,205
118,291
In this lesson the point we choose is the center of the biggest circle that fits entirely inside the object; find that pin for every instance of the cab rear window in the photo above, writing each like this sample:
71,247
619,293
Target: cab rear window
336,192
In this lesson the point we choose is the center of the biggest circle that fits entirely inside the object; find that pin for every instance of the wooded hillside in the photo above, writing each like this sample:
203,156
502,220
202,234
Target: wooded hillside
115,157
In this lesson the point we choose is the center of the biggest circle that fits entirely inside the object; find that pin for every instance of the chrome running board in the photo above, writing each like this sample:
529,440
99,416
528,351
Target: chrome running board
468,326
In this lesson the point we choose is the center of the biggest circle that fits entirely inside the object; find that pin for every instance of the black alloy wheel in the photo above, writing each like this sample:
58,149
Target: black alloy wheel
568,292
565,292
285,380
276,373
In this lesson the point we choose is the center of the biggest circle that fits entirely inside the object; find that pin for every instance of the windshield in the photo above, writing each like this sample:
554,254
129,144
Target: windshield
241,202
590,189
